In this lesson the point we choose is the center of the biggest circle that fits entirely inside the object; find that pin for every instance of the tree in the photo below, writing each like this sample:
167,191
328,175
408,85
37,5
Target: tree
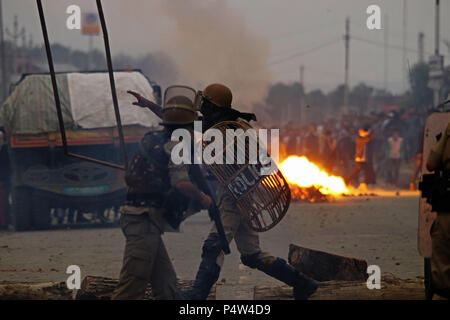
317,98
79,59
283,99
318,105
60,53
98,60
360,95
336,97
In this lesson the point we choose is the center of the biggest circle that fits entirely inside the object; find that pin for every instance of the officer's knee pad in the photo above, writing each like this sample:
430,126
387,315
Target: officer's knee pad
212,247
252,261
278,264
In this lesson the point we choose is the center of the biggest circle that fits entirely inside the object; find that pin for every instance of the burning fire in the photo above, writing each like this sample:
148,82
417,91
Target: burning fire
299,171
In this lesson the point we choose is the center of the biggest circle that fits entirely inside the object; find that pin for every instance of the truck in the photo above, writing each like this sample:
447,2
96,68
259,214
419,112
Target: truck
51,189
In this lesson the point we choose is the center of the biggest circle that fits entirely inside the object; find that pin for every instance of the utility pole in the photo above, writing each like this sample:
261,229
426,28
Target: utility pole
405,13
2,56
436,52
436,30
421,46
436,63
30,41
386,52
90,49
15,34
302,73
347,63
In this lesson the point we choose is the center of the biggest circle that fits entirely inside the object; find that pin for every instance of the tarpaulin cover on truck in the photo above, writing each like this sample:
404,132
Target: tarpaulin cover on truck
85,101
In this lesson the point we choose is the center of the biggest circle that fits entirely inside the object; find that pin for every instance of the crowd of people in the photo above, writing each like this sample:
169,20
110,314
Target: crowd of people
366,149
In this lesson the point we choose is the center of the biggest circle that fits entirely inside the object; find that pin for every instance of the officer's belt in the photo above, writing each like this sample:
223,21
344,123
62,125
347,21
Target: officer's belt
155,200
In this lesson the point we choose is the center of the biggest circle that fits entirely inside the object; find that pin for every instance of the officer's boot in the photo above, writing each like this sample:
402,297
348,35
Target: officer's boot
207,275
303,285
208,271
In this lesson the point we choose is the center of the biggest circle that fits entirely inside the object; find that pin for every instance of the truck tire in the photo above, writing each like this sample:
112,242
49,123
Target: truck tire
41,213
21,208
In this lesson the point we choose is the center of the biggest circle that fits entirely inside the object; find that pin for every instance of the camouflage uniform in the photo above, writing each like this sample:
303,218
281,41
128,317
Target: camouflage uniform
247,242
236,227
143,222
440,229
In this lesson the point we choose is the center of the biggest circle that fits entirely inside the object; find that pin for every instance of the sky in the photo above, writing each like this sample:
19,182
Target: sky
296,32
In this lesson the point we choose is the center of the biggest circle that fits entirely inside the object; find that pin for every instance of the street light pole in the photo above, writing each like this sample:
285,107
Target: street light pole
347,63
436,52
2,55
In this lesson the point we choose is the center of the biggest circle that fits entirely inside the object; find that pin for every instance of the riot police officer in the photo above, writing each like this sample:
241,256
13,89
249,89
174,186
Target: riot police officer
152,177
217,108
439,159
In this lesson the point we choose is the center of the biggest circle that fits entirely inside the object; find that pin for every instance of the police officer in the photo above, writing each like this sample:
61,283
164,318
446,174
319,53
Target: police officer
217,108
150,177
439,159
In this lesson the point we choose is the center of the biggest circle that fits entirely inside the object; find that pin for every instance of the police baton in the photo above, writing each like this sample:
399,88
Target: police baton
213,211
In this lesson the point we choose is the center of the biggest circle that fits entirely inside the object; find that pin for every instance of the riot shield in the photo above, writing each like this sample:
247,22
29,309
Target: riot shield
179,91
261,192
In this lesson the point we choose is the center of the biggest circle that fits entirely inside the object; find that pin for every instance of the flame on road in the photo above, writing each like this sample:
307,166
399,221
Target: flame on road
303,173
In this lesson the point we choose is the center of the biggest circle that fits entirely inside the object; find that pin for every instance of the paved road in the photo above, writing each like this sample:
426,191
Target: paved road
382,230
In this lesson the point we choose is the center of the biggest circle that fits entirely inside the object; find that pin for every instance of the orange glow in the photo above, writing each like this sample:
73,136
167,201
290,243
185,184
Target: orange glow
303,173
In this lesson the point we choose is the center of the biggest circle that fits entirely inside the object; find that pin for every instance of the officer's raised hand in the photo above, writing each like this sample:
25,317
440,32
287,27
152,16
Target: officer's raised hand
141,101
145,103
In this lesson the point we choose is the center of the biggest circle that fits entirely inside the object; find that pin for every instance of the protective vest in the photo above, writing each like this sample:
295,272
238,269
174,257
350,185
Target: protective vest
147,176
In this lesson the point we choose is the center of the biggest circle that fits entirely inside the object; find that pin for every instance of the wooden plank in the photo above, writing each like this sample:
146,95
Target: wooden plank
101,288
324,266
391,289
35,291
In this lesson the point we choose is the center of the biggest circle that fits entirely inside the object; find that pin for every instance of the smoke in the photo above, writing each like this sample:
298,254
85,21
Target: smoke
208,41
211,42
191,42
157,66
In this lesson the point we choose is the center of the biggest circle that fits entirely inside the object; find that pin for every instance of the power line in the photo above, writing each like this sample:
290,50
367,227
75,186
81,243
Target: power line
302,53
282,53
316,71
391,29
336,74
380,44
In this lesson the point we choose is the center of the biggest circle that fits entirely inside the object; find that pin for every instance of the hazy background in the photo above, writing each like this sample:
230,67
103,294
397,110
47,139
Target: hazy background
255,41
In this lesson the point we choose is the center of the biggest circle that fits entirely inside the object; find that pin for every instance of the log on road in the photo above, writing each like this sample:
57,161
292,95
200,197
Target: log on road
35,291
391,289
324,266
101,288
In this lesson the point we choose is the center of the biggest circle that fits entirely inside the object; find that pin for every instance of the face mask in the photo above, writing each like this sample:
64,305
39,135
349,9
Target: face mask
211,114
